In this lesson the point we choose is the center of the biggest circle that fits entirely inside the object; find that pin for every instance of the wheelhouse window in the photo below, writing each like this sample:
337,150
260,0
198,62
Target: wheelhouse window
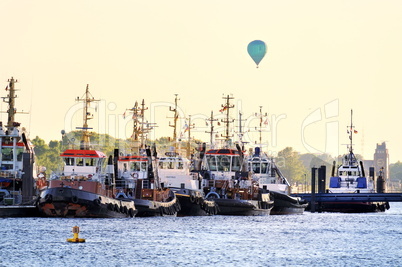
264,167
223,163
135,166
90,162
211,161
100,162
69,161
7,154
139,166
171,165
180,165
80,162
235,164
144,166
256,167
19,154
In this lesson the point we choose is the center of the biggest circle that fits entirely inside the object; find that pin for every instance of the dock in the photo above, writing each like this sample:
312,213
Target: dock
352,197
18,211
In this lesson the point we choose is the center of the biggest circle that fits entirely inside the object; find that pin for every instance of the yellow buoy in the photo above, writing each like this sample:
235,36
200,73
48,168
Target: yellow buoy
75,239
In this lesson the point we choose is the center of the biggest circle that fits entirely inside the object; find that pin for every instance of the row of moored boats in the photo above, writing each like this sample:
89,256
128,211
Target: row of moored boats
138,182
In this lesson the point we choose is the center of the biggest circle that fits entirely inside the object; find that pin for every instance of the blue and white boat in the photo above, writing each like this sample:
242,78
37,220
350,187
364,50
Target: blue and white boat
350,178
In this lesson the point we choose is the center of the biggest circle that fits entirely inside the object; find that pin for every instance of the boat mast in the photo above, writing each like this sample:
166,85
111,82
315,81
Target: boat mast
211,133
87,99
10,100
12,133
144,130
259,128
189,126
241,132
175,117
140,127
11,103
135,146
351,130
226,107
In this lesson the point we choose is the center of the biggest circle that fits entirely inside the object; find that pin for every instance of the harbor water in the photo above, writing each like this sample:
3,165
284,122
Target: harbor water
311,239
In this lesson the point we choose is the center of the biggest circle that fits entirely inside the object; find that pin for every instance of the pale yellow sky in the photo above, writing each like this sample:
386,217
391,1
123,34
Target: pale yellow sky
324,58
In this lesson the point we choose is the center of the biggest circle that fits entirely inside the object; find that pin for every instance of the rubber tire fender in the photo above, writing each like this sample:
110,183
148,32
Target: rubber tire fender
74,199
49,198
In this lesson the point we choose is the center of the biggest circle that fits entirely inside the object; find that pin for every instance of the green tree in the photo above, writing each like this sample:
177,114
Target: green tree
47,155
101,142
288,161
317,160
395,171
39,146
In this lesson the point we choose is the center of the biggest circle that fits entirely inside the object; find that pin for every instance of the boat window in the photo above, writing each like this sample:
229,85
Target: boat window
89,162
100,162
80,162
135,166
6,166
223,163
170,165
19,154
180,165
143,166
264,167
7,154
256,167
211,161
69,161
235,164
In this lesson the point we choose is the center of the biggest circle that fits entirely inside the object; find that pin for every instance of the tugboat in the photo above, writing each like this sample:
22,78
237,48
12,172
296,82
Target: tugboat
84,189
137,176
17,183
174,171
269,177
227,181
350,178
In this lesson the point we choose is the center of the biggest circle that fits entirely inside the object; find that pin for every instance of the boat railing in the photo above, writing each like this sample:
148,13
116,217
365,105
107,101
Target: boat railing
74,177
78,177
222,184
9,174
135,174
123,183
13,198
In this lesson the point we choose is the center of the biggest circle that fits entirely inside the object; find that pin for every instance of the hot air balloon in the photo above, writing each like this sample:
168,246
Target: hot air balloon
257,49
